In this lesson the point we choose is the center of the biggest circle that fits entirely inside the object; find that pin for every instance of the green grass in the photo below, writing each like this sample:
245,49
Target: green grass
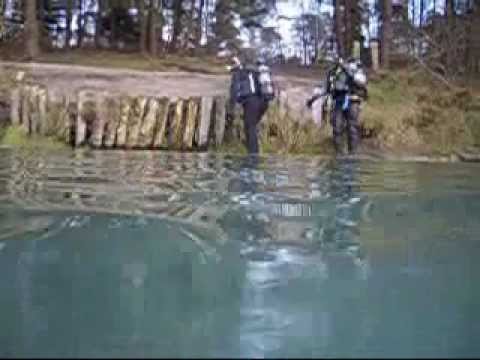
407,111
280,132
15,137
232,148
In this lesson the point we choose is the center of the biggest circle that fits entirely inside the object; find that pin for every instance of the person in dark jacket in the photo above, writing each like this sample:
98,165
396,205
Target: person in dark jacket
245,90
346,83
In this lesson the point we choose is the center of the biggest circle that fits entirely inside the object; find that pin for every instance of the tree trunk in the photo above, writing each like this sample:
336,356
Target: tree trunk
338,24
386,33
316,38
113,27
68,30
451,23
192,24
199,31
80,25
143,26
412,5
304,41
208,21
450,8
348,37
304,35
152,28
422,12
177,24
99,23
32,30
473,54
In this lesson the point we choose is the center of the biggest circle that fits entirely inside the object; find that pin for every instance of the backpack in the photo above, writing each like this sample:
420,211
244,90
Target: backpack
340,81
357,73
359,80
267,88
245,83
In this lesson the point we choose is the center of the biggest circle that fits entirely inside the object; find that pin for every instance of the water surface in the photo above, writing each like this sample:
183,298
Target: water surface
164,254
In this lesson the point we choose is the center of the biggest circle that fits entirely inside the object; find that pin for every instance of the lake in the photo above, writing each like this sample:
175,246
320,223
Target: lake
156,254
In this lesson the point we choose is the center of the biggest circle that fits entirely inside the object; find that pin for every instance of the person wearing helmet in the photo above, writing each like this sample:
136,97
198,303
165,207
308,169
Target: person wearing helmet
347,84
246,90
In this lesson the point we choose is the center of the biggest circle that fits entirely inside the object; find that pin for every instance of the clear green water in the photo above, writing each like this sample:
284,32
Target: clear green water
152,255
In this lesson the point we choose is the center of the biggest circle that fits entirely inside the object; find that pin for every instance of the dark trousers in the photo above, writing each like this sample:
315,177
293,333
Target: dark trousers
345,120
254,107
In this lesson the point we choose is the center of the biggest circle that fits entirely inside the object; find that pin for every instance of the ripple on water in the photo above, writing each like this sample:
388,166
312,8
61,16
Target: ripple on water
20,225
201,188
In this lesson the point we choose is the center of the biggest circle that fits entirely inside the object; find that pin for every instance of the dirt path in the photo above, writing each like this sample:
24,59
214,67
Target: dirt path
67,79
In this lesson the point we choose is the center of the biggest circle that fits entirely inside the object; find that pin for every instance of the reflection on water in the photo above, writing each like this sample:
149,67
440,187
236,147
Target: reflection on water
166,254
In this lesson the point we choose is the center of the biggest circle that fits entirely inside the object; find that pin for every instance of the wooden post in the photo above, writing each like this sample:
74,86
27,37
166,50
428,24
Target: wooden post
135,121
147,130
25,125
96,138
160,139
15,109
112,108
220,118
42,111
101,119
68,120
125,108
81,125
34,109
205,119
177,125
191,122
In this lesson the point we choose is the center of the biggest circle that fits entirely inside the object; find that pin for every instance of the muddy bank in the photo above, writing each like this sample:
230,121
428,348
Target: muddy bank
67,80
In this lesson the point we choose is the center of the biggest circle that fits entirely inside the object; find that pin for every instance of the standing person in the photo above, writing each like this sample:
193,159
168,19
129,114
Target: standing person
347,84
253,89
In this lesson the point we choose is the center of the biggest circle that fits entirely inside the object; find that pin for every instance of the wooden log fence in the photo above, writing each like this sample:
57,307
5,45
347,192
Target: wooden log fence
103,120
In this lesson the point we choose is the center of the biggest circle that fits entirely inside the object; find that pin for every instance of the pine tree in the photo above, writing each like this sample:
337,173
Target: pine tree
339,25
32,29
386,33
142,20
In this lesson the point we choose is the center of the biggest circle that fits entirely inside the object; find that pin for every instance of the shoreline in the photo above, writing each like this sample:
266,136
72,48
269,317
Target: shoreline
459,156
415,128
